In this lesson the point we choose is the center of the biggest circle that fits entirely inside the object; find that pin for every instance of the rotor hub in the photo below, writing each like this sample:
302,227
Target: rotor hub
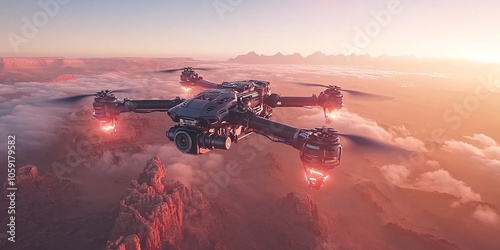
103,107
105,95
320,153
332,100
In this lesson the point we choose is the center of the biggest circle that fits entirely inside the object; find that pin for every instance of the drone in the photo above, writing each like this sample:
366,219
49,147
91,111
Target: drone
225,113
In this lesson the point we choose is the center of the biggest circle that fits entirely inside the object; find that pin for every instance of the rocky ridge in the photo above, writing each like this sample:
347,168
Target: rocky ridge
157,213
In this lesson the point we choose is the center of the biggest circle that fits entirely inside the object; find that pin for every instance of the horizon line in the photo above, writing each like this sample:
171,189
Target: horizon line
211,58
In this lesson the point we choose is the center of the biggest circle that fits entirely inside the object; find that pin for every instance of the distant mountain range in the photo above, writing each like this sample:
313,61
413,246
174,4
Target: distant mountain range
410,63
316,58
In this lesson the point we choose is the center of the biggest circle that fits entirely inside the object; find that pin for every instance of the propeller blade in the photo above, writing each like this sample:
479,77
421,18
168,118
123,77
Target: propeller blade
356,93
308,84
128,90
168,70
69,99
362,94
375,145
180,69
76,98
205,69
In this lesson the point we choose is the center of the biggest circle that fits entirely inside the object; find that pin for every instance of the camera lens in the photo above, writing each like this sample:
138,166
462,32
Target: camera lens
183,141
211,141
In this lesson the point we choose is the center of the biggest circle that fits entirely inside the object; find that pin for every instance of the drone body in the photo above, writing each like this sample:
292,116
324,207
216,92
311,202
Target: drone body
210,121
225,113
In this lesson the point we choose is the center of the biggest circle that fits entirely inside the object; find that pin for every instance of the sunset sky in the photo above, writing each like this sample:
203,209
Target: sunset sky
161,28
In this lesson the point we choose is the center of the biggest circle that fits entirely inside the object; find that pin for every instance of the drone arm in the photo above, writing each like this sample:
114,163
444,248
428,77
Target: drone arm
146,106
275,100
206,84
320,149
288,134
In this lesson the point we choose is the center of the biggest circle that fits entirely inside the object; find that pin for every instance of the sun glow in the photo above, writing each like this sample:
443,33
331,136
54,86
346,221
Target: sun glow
486,59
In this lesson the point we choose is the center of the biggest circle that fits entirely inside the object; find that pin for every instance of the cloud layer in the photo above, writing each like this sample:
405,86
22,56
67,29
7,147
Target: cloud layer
352,123
485,155
35,123
485,214
441,181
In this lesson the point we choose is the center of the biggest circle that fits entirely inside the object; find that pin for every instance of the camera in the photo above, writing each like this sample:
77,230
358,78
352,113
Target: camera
194,141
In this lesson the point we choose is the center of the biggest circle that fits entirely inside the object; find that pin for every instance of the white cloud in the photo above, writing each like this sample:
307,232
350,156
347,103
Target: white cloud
483,139
399,130
352,123
410,143
492,152
485,214
395,174
463,148
433,164
189,169
435,181
36,124
441,181
487,156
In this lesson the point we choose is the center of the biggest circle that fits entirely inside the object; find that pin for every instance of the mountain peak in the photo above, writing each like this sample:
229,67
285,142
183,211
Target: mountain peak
317,54
156,212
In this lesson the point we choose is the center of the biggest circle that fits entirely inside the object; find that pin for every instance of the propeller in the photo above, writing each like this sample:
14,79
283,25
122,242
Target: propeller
180,69
375,145
69,99
357,93
76,98
359,140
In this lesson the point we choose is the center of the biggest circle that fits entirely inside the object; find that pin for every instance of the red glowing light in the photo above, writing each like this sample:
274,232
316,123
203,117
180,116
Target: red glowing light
315,178
315,172
108,126
332,114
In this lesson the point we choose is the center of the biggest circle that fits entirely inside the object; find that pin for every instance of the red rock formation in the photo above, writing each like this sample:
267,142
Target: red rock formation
29,63
300,209
46,188
132,242
291,222
274,164
370,192
408,239
62,78
164,214
27,177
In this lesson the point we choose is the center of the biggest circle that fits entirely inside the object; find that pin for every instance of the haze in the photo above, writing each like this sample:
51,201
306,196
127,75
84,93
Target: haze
218,29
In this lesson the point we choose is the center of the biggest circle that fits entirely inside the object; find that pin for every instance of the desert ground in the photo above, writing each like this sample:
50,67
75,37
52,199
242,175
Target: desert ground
444,196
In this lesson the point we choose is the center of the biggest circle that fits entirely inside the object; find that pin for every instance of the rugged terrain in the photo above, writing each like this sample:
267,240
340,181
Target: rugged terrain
96,190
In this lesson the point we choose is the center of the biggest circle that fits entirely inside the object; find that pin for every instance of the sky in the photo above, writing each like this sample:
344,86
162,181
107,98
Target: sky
220,29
